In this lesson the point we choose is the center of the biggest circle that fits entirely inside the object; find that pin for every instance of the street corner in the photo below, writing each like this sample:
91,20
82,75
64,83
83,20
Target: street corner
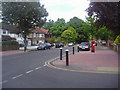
60,65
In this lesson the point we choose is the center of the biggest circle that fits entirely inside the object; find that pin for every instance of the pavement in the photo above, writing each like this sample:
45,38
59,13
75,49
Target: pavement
103,60
21,50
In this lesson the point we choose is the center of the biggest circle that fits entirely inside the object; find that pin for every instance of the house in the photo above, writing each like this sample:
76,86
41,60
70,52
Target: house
8,31
38,35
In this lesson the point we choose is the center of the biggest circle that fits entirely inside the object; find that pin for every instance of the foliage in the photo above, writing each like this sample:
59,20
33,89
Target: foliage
9,43
55,40
69,35
107,14
58,40
52,40
58,27
91,27
117,40
24,15
75,22
48,24
104,34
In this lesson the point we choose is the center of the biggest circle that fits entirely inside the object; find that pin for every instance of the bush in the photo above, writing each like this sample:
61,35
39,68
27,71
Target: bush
10,43
117,40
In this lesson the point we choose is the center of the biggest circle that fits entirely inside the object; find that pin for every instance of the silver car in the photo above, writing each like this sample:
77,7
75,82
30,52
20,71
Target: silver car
84,46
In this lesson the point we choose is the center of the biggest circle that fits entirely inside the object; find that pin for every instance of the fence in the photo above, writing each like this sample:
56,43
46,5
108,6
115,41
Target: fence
115,48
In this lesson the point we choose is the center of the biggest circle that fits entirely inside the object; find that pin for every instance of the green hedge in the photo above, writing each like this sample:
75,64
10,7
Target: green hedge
10,45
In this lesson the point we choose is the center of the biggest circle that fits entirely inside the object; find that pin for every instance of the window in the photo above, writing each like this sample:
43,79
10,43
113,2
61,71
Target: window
34,35
4,32
41,35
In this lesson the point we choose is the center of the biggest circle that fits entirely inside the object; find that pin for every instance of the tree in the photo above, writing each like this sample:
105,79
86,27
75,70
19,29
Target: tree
76,23
48,24
92,27
57,27
104,34
107,14
24,15
117,40
69,35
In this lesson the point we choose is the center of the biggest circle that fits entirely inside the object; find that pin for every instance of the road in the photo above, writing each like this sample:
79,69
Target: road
28,70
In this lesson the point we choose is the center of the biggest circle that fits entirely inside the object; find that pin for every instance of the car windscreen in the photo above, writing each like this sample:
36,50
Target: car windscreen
85,43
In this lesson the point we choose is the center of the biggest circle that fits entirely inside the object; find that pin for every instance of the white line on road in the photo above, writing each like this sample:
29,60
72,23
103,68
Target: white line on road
17,76
29,71
45,65
38,68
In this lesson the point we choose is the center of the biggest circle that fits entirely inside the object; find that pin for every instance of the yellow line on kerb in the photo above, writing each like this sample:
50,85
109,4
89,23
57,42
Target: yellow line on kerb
99,70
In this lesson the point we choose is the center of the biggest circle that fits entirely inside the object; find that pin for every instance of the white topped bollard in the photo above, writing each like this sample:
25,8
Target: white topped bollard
61,53
67,57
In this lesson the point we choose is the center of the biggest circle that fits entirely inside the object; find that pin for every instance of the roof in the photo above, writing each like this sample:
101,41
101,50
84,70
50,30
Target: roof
45,31
10,28
36,30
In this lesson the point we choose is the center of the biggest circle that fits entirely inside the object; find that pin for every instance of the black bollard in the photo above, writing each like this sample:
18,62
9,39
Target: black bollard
60,53
67,57
78,48
73,51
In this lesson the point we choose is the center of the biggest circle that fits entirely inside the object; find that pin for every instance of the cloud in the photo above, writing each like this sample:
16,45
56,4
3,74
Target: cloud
66,9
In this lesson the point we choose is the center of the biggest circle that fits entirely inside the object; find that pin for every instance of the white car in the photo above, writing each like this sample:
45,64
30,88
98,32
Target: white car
70,44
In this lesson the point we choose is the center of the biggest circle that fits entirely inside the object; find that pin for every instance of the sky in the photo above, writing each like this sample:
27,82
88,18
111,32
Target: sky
66,9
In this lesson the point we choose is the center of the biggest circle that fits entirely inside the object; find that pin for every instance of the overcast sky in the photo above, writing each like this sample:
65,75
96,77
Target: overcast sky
66,9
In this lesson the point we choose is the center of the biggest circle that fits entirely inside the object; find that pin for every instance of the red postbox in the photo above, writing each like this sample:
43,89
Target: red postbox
92,46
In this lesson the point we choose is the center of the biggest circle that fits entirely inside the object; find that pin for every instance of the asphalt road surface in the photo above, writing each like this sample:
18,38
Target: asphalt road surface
28,70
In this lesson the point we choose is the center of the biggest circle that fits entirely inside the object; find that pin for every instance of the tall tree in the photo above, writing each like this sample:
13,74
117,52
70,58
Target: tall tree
107,14
76,23
69,35
24,15
57,27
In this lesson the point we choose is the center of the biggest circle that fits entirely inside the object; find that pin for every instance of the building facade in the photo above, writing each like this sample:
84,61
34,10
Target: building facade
38,35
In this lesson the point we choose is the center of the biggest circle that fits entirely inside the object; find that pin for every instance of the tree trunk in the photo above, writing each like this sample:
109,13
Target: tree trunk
25,43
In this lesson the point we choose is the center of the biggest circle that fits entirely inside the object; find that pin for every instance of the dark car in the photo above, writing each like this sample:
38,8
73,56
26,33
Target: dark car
43,47
58,45
84,46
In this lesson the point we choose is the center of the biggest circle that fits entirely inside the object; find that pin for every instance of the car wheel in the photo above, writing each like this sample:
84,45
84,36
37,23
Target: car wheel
38,49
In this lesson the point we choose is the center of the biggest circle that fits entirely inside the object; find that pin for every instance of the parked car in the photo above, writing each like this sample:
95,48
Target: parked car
103,42
21,45
52,44
84,46
43,47
48,44
58,45
70,44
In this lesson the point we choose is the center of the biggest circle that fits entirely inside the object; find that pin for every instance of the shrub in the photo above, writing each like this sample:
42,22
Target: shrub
117,40
10,43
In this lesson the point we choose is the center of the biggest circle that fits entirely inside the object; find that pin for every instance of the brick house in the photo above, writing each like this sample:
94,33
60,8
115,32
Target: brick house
38,35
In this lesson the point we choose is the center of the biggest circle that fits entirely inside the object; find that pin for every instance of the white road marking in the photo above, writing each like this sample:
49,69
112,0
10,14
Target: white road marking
29,71
44,65
17,76
38,68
